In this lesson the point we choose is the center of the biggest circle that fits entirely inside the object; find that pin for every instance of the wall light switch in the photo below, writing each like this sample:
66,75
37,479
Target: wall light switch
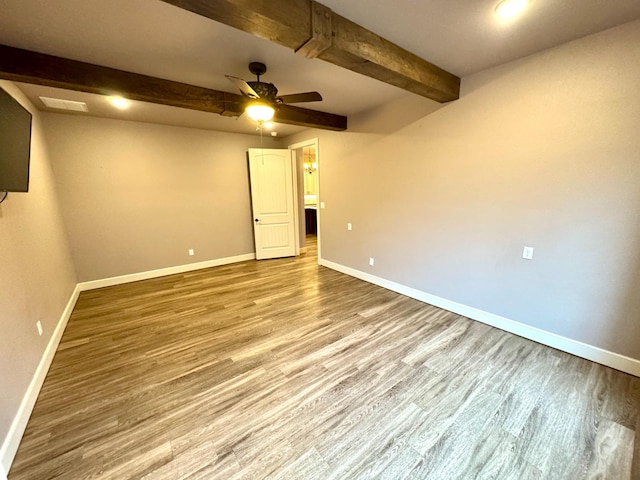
191,253
321,204
349,226
39,327
371,261
527,253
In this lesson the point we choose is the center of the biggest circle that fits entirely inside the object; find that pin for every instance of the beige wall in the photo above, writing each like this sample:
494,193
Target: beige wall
37,276
544,152
136,197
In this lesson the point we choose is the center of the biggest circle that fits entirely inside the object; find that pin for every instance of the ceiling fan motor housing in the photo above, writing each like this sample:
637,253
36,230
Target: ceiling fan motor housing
267,91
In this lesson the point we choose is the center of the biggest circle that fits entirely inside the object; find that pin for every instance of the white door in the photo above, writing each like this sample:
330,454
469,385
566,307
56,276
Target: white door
272,200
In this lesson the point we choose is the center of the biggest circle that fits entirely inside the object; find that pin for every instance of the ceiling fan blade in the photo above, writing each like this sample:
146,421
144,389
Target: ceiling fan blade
243,86
300,97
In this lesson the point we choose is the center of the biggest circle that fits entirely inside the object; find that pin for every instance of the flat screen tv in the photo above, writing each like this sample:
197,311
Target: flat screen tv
15,145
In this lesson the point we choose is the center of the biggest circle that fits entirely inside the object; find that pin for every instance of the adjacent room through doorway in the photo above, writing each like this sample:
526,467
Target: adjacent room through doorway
306,154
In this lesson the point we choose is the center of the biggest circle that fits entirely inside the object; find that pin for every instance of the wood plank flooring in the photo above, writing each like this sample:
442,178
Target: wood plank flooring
282,369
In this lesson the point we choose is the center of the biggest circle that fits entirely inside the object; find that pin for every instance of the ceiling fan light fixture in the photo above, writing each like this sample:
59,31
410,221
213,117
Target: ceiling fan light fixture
511,8
260,111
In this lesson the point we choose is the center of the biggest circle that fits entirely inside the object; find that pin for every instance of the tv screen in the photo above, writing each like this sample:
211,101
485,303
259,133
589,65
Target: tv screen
15,145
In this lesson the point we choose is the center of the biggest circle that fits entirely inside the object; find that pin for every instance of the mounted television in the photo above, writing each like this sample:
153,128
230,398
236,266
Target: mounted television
15,145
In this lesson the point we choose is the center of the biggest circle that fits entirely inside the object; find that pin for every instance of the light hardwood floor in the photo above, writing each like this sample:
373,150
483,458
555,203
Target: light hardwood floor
282,369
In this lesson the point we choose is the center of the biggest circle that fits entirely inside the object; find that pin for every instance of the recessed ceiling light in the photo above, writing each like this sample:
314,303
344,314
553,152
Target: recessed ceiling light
119,102
511,8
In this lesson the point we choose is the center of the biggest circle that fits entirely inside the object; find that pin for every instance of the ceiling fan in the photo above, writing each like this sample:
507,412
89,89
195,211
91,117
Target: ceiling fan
264,99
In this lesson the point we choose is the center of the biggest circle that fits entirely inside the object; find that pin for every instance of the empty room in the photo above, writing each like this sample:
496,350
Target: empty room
319,240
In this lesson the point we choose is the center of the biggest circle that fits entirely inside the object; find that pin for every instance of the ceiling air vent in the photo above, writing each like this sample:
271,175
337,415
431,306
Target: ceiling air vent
65,104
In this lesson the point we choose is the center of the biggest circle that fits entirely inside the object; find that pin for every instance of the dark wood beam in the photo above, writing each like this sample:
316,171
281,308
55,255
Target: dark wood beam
362,51
314,30
41,69
305,117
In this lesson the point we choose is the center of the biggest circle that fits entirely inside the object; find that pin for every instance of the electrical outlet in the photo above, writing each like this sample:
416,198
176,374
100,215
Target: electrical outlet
191,253
39,327
349,226
527,253
371,261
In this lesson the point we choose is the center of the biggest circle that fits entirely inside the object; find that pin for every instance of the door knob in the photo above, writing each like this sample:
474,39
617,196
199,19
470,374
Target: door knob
256,220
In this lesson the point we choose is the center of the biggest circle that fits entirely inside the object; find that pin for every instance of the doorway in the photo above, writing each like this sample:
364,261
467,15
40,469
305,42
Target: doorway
273,204
308,180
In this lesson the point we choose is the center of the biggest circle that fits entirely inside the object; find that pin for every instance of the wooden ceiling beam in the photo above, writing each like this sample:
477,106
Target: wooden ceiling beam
41,69
305,117
37,68
315,31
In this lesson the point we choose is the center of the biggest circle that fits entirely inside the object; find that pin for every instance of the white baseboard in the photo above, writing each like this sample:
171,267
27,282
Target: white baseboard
574,347
12,440
134,277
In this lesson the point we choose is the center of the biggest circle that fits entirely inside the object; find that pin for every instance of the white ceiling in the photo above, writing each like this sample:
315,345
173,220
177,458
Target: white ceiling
154,38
